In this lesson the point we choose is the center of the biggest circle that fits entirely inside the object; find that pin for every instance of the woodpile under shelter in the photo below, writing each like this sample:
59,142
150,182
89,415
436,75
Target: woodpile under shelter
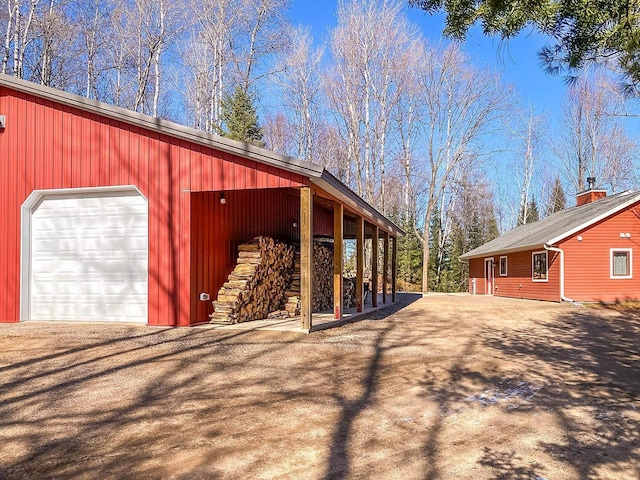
111,215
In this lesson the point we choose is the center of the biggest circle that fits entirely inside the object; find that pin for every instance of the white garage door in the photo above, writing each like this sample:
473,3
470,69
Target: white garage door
89,258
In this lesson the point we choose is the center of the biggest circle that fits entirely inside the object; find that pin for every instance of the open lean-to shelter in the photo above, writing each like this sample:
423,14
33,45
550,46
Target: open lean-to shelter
585,253
110,215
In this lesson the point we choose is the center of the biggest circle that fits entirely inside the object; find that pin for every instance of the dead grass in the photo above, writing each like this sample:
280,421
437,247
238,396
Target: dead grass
450,386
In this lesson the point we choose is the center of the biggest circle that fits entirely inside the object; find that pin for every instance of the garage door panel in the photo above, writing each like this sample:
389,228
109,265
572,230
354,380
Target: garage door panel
89,259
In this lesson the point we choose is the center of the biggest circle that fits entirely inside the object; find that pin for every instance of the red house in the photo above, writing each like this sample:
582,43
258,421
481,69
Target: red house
110,215
585,253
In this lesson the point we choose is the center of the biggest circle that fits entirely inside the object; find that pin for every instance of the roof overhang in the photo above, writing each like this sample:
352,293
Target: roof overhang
348,197
523,248
316,174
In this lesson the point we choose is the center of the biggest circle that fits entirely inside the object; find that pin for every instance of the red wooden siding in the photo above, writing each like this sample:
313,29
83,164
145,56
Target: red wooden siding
518,282
587,262
322,221
47,146
476,272
217,230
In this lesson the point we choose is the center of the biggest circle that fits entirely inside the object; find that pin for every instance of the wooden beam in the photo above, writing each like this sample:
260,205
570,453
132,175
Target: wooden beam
306,257
374,267
359,263
338,227
385,267
394,268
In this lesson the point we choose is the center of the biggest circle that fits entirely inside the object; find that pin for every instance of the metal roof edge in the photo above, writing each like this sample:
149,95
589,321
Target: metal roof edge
634,199
523,248
166,127
339,190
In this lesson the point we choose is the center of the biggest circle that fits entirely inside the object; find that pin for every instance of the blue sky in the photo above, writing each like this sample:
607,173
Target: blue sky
516,59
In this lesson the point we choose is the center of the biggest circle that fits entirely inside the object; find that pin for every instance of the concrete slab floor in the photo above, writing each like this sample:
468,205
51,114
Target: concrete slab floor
319,321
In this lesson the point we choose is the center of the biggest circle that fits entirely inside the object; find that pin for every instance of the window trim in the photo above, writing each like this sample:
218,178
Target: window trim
546,255
506,266
629,251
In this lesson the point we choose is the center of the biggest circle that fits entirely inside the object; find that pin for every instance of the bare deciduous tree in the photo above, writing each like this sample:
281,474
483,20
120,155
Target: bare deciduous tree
592,141
370,49
231,43
461,106
529,136
300,85
261,33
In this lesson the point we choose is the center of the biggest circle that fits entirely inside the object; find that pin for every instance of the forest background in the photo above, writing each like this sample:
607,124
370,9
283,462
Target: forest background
436,140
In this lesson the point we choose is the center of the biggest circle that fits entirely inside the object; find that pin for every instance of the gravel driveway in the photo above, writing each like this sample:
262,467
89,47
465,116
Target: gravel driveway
448,386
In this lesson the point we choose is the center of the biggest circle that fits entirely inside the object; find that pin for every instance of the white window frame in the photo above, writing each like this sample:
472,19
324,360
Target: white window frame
506,266
620,277
546,254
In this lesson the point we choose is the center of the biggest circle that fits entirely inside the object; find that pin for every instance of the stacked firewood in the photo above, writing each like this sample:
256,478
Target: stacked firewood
292,307
322,276
257,285
349,292
322,281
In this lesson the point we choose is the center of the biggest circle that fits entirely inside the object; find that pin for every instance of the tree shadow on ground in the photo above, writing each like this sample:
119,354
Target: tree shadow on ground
578,365
63,440
508,465
125,403
339,462
589,359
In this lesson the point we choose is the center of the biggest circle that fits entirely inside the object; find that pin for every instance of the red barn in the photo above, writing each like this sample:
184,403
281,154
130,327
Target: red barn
585,253
110,215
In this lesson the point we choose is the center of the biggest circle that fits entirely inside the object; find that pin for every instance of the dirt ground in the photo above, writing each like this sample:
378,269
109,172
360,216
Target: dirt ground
446,387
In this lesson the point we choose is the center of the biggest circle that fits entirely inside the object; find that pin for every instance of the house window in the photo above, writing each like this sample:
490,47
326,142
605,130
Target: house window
620,263
503,266
539,266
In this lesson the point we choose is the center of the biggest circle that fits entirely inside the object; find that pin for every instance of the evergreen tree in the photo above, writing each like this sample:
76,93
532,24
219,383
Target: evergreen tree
533,215
409,254
240,118
558,200
582,32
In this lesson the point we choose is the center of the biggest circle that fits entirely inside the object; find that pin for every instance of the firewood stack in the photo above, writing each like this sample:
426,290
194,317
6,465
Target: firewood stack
292,307
322,276
322,282
257,285
349,292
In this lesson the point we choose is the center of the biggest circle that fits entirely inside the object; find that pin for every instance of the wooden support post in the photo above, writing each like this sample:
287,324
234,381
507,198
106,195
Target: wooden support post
306,257
385,267
359,263
338,232
394,268
374,267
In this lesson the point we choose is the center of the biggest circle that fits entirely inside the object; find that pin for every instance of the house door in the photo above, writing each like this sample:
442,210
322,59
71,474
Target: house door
488,276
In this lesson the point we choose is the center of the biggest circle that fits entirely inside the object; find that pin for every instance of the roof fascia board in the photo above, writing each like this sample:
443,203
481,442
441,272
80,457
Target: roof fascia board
613,211
164,127
339,190
500,252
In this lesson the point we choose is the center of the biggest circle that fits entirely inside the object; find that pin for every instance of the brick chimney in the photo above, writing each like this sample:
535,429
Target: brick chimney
590,194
